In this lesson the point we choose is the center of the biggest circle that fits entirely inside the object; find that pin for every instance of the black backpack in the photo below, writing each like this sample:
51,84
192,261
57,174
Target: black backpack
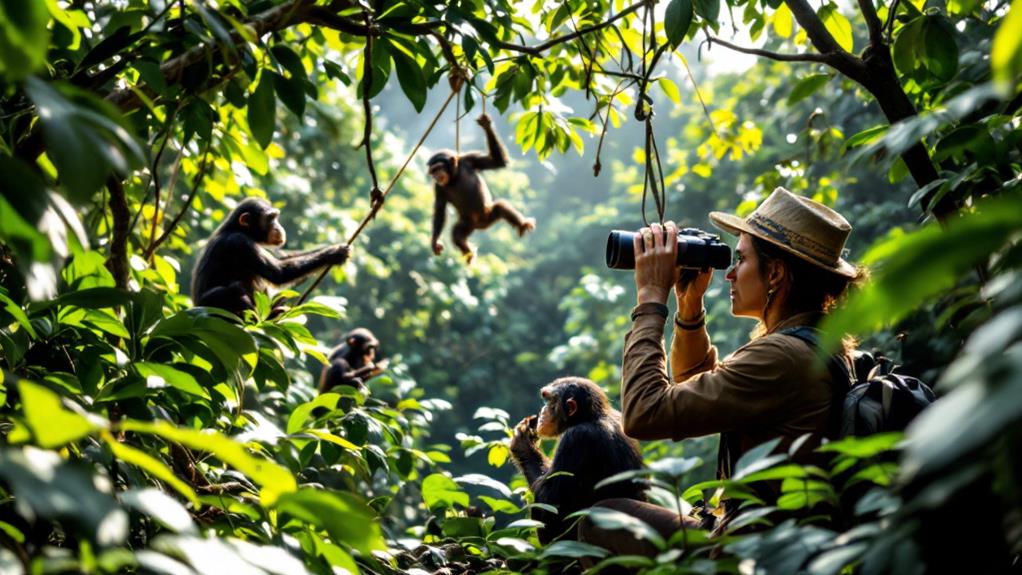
878,402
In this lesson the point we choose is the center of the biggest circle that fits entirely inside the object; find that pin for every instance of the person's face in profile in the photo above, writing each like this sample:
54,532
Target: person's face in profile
748,287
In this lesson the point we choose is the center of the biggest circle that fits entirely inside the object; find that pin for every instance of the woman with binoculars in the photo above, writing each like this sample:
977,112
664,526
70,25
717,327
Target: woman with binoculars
787,272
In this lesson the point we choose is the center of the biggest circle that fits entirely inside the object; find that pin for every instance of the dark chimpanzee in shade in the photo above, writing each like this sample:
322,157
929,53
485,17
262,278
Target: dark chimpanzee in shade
592,448
352,362
458,182
234,264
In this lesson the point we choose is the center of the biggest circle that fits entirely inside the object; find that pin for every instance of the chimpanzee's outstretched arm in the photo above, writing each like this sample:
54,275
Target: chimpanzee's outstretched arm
289,256
497,156
533,464
280,272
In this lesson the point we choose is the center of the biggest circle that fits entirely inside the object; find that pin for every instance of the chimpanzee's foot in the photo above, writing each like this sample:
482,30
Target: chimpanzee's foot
527,226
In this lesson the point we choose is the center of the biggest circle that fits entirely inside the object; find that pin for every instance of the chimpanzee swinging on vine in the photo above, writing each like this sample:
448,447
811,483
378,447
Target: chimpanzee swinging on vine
458,182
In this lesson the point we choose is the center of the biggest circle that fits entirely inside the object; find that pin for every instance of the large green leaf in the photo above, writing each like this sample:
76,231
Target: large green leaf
262,110
1006,53
913,267
709,10
150,464
274,479
677,19
82,139
157,375
411,78
941,47
807,86
441,492
346,518
51,424
838,26
23,37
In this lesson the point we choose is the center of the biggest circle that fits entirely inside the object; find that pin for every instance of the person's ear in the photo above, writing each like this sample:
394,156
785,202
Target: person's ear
571,406
243,219
778,274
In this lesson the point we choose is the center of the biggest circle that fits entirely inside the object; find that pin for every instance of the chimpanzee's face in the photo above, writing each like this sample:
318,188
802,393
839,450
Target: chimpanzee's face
440,174
275,234
550,416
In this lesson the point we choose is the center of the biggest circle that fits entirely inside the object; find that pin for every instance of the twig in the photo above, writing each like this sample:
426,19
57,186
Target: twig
818,58
540,48
367,83
199,176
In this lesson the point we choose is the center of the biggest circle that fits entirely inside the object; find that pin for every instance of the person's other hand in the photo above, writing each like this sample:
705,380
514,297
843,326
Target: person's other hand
689,289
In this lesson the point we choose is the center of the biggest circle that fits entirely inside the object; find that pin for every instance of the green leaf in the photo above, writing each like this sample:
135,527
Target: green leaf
161,507
19,314
441,492
290,60
53,488
573,550
23,38
290,91
157,375
941,48
911,268
709,10
82,139
345,517
151,465
274,479
866,136
838,26
51,424
807,86
326,402
783,21
262,110
1006,53
677,19
481,480
411,78
906,46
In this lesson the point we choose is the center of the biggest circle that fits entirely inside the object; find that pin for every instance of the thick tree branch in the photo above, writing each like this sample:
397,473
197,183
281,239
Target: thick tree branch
272,20
117,262
540,48
809,57
876,28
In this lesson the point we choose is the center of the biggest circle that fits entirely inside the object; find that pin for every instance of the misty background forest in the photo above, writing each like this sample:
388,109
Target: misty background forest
142,434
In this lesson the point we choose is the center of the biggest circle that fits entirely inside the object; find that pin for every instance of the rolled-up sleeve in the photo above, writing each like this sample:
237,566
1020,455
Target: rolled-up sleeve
745,389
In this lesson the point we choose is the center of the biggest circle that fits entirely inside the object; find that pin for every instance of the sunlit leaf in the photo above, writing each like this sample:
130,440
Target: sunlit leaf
347,519
274,479
1006,52
440,491
51,424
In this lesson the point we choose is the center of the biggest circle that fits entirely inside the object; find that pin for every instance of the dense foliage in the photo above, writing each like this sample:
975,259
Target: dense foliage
141,434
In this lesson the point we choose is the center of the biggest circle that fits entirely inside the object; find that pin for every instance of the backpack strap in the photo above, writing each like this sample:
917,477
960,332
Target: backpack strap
841,379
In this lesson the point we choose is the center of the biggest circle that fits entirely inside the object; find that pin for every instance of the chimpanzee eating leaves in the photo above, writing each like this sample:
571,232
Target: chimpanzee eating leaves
592,448
235,264
352,362
457,181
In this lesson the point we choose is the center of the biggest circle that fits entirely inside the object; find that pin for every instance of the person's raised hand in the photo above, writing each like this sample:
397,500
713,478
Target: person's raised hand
689,289
656,267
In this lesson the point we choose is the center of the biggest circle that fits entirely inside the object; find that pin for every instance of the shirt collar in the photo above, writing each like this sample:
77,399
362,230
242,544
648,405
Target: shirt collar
809,318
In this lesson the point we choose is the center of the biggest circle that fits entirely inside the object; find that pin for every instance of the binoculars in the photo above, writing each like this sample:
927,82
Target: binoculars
696,249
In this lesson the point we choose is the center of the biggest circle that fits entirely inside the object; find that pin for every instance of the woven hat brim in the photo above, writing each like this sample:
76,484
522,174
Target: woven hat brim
735,225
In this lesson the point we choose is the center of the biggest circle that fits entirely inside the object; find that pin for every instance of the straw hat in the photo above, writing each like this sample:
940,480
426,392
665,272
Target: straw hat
800,226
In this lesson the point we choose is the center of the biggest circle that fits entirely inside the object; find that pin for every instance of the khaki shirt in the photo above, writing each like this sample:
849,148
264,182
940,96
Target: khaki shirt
771,387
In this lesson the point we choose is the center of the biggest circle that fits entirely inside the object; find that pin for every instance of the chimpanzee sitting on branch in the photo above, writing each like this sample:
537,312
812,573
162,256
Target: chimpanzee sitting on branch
592,448
457,180
235,264
352,362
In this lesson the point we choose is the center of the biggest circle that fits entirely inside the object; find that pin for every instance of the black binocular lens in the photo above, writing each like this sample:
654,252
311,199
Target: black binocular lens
696,249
